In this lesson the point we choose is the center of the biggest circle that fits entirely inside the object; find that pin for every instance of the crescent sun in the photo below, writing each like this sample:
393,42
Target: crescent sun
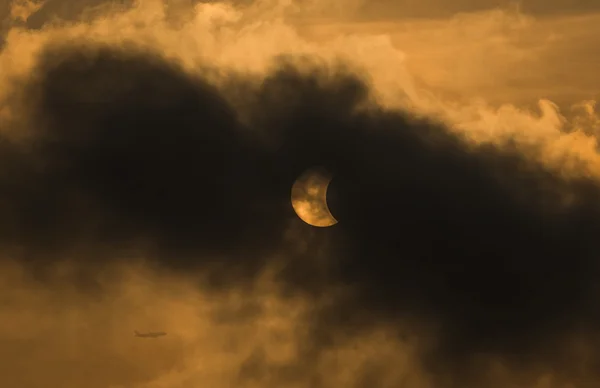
309,198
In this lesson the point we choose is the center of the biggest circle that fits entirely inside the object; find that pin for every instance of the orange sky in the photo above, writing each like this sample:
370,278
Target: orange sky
489,70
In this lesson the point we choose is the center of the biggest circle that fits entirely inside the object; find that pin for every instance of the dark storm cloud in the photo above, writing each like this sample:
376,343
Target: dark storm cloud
124,150
125,146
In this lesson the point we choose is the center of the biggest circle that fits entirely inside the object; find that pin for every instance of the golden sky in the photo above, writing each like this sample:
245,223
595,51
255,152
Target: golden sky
521,78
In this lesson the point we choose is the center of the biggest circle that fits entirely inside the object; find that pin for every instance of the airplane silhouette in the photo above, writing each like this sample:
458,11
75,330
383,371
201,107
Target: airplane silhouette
154,334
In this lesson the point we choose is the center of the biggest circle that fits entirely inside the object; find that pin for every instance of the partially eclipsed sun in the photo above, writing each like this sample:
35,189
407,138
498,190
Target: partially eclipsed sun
309,198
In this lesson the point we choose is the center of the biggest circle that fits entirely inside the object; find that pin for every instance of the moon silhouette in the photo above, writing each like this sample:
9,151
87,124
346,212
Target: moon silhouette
309,198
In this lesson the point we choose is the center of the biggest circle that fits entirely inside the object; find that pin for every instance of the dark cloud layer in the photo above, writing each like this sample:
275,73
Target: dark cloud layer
125,151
